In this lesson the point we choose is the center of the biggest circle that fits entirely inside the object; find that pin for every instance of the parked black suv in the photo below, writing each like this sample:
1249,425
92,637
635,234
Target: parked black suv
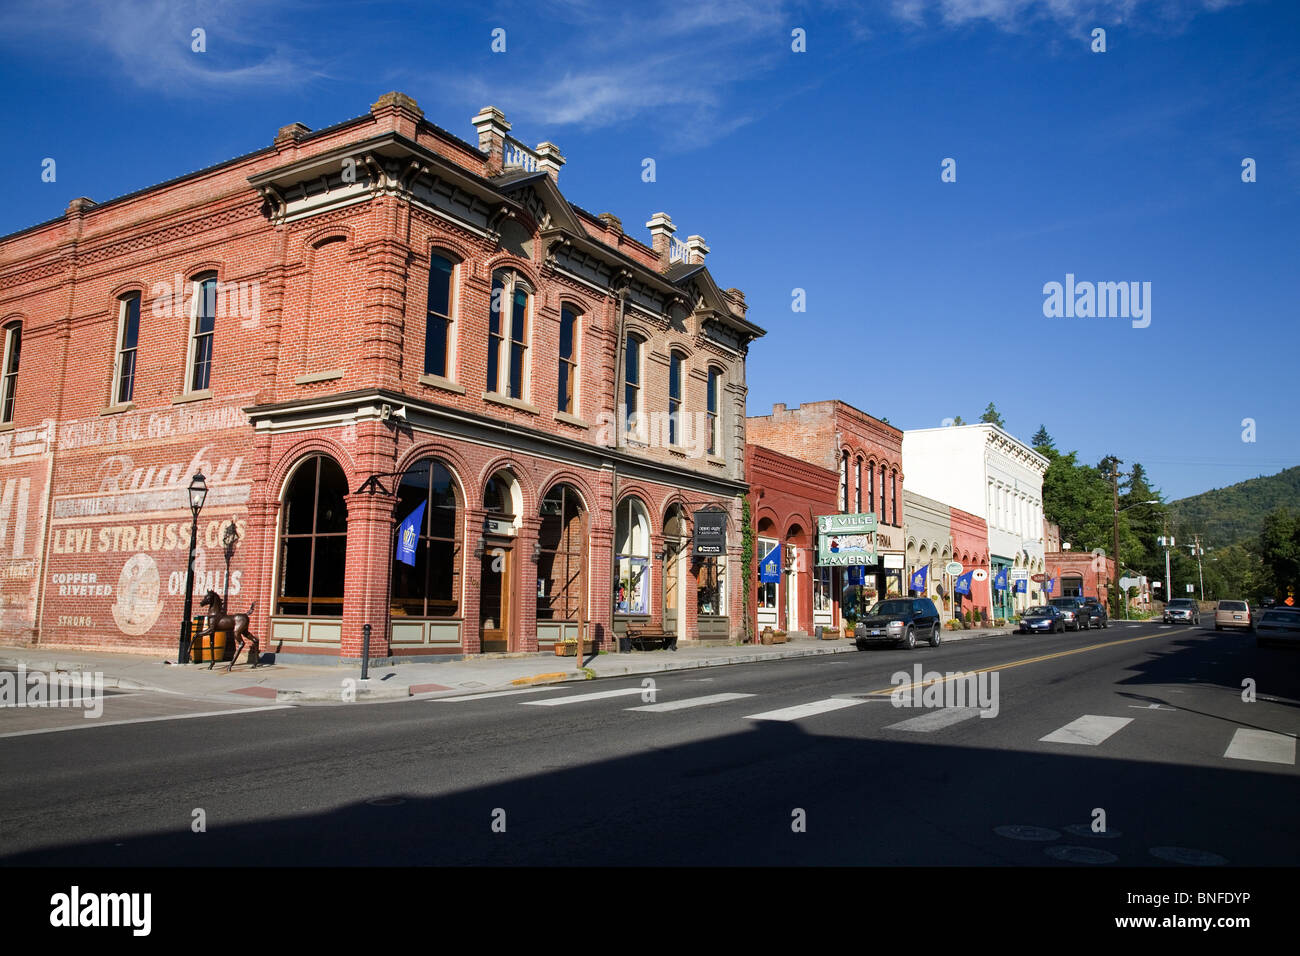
1098,616
1077,614
899,621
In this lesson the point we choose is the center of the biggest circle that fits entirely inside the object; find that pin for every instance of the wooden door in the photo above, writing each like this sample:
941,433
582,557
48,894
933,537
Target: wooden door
494,600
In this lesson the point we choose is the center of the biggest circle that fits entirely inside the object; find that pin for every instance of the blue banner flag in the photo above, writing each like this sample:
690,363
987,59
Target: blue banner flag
856,575
1000,580
769,569
919,577
1050,586
962,586
408,535
1021,586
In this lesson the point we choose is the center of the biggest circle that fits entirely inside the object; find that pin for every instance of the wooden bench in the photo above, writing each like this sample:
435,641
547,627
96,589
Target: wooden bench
646,638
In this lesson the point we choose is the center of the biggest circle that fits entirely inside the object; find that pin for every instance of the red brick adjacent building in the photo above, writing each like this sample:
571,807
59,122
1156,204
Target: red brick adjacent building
549,400
867,456
786,497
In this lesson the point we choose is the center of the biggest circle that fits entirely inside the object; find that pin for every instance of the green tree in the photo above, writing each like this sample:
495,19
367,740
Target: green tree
992,417
1043,443
1278,547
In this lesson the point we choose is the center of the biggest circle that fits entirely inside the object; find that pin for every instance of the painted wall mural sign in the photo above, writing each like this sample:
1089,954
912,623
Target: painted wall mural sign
25,468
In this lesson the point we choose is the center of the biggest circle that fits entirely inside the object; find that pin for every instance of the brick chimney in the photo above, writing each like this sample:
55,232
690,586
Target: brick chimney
492,129
612,222
661,236
549,159
696,250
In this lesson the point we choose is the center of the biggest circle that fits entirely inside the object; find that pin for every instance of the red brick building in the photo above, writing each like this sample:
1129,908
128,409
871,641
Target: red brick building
867,456
970,538
547,399
1080,574
786,496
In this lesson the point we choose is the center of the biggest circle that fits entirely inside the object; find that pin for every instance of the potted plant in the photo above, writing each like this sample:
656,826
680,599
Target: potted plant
768,635
567,647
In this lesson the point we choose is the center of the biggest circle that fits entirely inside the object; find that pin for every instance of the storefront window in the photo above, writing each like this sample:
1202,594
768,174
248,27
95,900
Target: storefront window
822,589
766,592
632,561
711,597
430,588
561,570
313,540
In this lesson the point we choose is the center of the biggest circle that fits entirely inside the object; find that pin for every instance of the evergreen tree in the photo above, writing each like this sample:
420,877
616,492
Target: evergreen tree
992,417
1043,443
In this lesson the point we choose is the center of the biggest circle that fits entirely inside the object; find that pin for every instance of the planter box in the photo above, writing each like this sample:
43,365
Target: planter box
830,634
566,649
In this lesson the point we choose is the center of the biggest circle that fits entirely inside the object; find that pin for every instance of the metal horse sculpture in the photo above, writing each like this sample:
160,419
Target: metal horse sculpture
236,624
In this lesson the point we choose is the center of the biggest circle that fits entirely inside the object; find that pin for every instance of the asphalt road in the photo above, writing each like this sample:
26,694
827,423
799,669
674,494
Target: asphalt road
1147,728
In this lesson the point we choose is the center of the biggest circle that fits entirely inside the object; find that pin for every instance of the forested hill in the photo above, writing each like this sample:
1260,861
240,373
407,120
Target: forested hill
1228,515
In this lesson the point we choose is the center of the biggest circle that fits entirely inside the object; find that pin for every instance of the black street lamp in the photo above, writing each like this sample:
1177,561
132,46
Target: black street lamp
198,492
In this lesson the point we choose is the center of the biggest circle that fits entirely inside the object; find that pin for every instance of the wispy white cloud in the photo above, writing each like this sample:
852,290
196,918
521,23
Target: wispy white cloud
151,41
1017,15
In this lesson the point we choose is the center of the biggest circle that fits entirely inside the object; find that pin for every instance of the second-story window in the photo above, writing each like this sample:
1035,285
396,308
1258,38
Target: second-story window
857,485
508,336
437,328
715,403
893,496
128,335
13,339
565,396
675,364
632,386
203,321
871,487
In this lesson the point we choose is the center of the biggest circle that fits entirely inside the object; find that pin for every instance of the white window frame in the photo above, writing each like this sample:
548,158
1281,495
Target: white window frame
9,379
575,390
191,352
638,432
115,397
510,282
453,312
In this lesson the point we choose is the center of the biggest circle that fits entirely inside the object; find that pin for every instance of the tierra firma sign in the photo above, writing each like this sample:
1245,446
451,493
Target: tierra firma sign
710,538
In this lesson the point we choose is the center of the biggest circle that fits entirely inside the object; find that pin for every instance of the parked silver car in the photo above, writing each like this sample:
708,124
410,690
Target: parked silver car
1182,611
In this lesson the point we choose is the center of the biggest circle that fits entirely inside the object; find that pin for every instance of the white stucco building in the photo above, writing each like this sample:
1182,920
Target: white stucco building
982,469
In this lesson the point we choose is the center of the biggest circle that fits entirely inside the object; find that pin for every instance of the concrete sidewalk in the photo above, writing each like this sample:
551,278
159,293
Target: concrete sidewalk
300,683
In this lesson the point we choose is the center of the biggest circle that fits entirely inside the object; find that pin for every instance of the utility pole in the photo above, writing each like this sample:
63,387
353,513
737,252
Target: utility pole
1197,551
1166,541
1114,487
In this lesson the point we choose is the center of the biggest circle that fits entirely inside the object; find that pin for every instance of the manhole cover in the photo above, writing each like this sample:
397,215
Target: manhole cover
385,801
1178,854
1085,830
1080,854
1021,832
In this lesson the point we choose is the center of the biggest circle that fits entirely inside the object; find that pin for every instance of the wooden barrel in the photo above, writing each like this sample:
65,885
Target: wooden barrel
210,647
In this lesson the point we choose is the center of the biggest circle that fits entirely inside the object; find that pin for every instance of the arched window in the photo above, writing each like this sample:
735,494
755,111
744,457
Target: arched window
508,320
844,481
13,340
439,340
430,587
715,409
893,497
313,540
632,562
566,396
128,337
561,564
882,494
203,323
871,487
676,367
632,386
857,485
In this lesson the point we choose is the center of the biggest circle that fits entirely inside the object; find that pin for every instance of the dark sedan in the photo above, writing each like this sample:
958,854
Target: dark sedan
1097,614
1043,619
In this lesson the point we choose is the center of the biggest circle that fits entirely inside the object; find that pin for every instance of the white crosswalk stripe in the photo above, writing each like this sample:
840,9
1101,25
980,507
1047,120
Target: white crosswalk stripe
582,698
495,693
689,702
1089,730
1262,745
936,720
807,710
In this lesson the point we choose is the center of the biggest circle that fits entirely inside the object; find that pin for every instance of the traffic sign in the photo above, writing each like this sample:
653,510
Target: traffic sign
1190,588
1155,584
953,567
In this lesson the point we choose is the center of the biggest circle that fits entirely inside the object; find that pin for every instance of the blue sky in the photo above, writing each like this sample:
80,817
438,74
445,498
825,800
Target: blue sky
817,170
